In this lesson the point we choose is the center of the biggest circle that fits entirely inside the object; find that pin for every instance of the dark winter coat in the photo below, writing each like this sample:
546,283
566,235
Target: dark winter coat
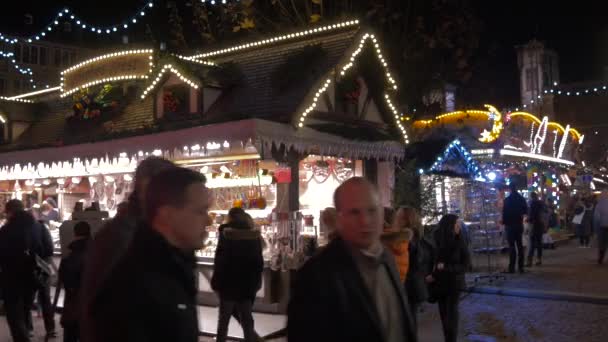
47,246
330,301
513,211
103,254
151,294
238,264
20,234
538,212
421,265
70,278
451,250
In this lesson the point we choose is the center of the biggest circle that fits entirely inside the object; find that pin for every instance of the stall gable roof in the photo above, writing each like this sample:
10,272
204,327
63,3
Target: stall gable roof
456,160
254,96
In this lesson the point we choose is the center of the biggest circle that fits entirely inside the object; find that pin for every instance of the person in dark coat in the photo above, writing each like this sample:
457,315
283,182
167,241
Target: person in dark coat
70,276
110,244
237,273
43,290
151,294
513,212
448,279
350,291
537,215
19,243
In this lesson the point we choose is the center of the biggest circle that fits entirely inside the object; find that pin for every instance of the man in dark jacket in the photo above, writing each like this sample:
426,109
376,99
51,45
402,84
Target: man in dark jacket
18,245
538,211
513,213
350,291
151,295
237,273
70,275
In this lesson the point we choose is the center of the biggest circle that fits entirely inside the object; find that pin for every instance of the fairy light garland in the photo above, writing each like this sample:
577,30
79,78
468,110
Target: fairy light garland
66,15
471,165
166,68
364,39
104,57
3,98
103,80
348,66
554,143
273,40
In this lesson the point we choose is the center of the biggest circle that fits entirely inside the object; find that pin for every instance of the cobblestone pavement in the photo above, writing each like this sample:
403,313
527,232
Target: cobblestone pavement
566,269
512,319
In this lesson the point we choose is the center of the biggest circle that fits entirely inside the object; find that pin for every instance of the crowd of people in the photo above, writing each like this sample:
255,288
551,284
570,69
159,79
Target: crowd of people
539,217
135,279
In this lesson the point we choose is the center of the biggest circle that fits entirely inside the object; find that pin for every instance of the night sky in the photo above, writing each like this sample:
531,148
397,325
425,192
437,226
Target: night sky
578,31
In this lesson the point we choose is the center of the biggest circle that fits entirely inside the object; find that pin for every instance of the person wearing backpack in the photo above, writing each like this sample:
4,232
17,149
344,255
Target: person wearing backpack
18,250
70,275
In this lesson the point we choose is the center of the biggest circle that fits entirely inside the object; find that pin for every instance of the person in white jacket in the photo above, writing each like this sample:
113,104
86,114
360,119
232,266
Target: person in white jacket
601,223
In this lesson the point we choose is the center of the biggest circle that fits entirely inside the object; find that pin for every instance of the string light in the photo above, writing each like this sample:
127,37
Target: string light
343,71
67,15
103,80
48,90
554,142
106,56
166,68
273,40
15,100
506,152
471,165
532,117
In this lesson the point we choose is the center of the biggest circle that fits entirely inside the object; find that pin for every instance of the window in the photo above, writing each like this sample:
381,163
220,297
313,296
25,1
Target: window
2,86
176,100
65,58
2,131
72,58
43,53
16,86
531,79
57,58
4,65
26,54
67,27
34,55
17,52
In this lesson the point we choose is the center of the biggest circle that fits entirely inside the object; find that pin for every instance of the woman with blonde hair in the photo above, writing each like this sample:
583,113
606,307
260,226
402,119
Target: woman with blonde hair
421,257
396,237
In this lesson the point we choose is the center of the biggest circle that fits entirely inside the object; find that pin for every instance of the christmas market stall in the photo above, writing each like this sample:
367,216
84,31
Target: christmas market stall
275,125
489,151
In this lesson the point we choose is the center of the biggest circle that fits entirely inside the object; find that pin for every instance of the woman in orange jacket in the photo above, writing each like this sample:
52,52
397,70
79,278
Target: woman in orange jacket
396,237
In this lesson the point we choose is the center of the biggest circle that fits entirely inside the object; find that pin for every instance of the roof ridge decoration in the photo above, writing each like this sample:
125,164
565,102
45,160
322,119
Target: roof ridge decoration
347,66
168,68
268,41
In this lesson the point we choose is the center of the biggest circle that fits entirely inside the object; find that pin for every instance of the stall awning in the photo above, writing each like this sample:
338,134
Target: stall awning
260,134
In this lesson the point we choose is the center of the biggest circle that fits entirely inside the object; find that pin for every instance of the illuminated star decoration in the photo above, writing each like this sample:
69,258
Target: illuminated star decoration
494,114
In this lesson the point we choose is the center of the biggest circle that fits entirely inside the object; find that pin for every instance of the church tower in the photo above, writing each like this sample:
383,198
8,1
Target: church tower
538,71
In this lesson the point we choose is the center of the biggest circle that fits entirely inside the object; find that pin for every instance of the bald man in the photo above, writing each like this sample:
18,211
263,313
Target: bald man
351,290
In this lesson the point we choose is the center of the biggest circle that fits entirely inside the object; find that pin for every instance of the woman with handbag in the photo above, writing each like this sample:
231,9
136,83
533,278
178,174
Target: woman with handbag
447,281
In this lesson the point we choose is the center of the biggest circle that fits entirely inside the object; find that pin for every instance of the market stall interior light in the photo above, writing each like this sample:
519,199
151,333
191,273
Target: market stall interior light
507,152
